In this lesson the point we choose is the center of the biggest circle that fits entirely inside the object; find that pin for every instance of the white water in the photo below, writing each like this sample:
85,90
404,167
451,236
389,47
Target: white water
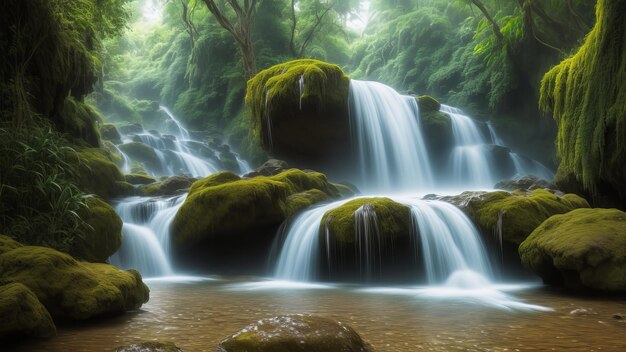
391,151
146,236
392,157
146,230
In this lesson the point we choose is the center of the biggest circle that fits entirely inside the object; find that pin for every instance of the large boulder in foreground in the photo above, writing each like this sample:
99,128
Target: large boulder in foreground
296,332
68,288
585,248
21,313
356,229
232,217
300,109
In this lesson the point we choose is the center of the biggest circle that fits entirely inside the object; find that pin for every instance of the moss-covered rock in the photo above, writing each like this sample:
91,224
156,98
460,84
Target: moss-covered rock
526,183
110,133
142,153
585,248
71,289
21,313
224,204
518,212
427,104
139,179
357,230
168,187
437,134
587,97
296,332
310,121
98,174
104,236
131,128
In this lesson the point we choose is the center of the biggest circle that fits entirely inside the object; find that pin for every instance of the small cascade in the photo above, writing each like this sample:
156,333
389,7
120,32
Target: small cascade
145,240
301,88
495,139
471,165
298,258
525,167
391,151
367,240
182,132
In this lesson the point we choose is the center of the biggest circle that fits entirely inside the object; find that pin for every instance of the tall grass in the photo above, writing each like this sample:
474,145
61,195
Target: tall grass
39,204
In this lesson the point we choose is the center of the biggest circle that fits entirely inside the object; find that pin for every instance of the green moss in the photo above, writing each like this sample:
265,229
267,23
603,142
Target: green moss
521,212
302,200
273,94
110,133
72,289
427,104
345,190
393,219
223,204
139,179
105,235
79,120
143,153
97,173
21,313
8,244
585,247
168,187
587,97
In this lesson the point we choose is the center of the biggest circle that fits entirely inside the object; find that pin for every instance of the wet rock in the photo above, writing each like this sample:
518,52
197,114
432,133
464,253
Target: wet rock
619,316
98,174
68,288
171,186
150,346
526,183
139,179
584,249
142,153
110,133
21,313
105,235
132,128
297,332
269,168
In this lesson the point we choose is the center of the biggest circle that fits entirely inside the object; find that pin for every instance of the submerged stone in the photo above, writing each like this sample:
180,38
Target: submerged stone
296,332
150,346
582,249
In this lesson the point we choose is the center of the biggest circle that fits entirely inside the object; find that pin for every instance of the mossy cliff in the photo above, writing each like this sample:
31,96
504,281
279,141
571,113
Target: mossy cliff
586,94
582,249
384,253
225,218
68,288
300,107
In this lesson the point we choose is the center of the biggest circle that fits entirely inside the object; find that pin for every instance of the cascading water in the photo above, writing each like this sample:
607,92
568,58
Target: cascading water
146,229
392,156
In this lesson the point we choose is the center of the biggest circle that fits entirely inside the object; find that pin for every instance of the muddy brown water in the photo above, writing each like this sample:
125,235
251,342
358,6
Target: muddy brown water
198,315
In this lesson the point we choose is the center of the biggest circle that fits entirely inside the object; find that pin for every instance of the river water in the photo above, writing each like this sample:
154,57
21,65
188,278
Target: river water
197,315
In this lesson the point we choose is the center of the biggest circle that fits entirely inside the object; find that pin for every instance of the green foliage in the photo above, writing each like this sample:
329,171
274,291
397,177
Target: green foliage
587,97
39,204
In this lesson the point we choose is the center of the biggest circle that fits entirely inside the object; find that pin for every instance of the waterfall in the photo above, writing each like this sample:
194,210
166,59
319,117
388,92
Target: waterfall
524,167
146,236
392,156
147,220
386,129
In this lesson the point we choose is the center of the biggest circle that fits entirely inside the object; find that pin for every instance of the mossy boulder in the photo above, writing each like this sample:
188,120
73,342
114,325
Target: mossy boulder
232,217
169,186
582,249
142,153
437,134
505,219
300,108
348,244
98,174
104,236
139,179
295,332
71,289
526,183
131,129
21,313
427,104
110,133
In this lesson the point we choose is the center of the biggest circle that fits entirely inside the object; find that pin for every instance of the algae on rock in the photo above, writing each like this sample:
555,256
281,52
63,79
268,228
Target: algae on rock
21,313
585,248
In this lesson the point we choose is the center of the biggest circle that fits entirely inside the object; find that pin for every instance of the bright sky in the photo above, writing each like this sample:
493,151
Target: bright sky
152,10
358,21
